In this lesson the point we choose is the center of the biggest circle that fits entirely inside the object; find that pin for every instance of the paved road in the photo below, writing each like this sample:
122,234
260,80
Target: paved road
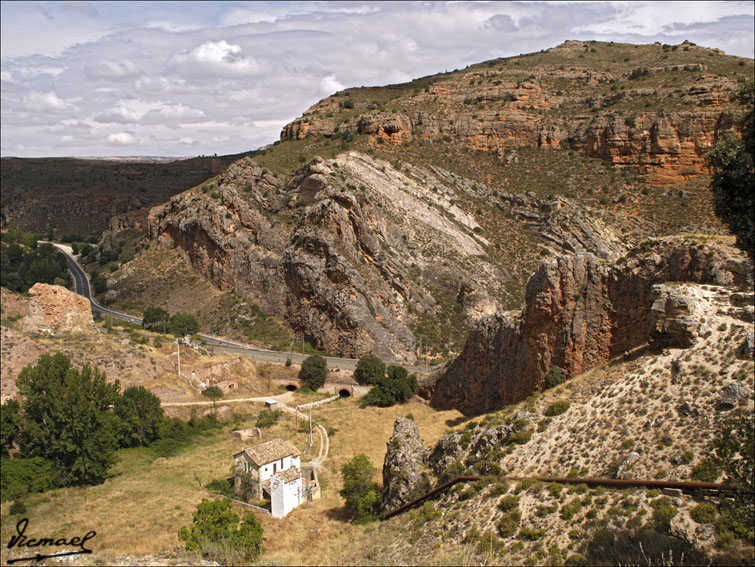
81,281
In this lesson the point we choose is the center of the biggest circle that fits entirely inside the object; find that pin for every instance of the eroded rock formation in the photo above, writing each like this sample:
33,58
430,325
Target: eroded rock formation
53,309
404,469
493,107
349,251
579,312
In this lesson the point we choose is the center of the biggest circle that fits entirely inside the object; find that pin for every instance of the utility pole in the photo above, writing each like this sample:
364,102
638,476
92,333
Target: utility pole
420,349
310,426
178,346
227,335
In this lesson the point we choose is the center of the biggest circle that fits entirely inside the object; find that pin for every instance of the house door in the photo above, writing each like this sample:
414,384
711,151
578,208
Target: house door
275,468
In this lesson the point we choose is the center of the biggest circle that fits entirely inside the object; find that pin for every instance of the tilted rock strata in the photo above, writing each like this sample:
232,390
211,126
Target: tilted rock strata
579,313
347,251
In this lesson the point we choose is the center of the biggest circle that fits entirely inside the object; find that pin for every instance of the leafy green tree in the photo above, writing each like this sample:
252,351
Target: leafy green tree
10,424
217,535
140,415
313,371
359,491
213,393
182,324
99,283
731,161
155,319
68,418
369,370
397,386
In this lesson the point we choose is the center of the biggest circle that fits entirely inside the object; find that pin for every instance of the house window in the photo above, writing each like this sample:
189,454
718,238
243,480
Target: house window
275,467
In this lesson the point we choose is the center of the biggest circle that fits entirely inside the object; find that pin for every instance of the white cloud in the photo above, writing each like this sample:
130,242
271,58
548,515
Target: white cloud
113,69
122,139
329,85
45,102
225,77
219,57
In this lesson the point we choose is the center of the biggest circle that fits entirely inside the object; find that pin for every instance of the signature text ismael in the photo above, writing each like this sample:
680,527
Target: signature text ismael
20,540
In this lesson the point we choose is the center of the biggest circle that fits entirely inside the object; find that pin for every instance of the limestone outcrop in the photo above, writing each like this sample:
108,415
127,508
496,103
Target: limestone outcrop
657,120
579,312
351,252
53,309
404,469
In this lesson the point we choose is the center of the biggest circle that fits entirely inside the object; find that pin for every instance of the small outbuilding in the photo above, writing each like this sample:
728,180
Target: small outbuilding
271,404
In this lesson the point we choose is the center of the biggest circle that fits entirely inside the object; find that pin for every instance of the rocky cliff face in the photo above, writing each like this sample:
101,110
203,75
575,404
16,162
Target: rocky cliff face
634,117
579,312
352,251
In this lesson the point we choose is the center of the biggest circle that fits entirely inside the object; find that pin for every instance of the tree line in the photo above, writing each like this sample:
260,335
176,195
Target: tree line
24,263
160,321
70,422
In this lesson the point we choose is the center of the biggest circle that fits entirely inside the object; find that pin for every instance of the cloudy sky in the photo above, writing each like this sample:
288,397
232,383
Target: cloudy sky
190,78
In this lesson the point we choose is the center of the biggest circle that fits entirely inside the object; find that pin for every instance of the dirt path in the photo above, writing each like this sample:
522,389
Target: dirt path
322,454
282,398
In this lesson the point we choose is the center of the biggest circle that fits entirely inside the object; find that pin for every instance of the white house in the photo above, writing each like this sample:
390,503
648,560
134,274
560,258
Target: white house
265,460
285,492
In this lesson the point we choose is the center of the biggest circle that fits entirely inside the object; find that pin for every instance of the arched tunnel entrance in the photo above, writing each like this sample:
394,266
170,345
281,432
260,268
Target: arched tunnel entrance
291,387
344,393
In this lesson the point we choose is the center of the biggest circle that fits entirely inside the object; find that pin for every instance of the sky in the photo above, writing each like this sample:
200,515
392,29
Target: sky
199,78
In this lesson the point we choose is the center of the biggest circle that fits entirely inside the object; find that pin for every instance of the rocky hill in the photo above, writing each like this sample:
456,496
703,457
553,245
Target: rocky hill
362,255
580,312
655,109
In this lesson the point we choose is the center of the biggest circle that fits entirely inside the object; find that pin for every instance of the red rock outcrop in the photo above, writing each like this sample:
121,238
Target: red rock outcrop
527,102
579,312
53,309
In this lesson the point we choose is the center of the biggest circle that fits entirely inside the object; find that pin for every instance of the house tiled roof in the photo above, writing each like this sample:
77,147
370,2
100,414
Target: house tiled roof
270,451
289,475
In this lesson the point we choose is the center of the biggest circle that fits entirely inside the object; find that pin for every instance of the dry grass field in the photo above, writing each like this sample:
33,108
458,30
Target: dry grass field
139,510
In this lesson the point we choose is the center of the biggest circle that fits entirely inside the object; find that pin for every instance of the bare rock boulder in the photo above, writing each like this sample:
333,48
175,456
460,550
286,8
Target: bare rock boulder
405,474
731,395
53,309
671,322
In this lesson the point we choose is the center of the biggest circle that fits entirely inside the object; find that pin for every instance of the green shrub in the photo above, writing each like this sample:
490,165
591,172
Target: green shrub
557,408
530,534
20,477
220,486
569,510
704,513
217,535
508,503
554,377
520,437
663,512
268,418
555,489
509,523
17,508
370,370
706,470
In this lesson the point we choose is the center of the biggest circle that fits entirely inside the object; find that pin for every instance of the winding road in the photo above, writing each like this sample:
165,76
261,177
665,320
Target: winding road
83,288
